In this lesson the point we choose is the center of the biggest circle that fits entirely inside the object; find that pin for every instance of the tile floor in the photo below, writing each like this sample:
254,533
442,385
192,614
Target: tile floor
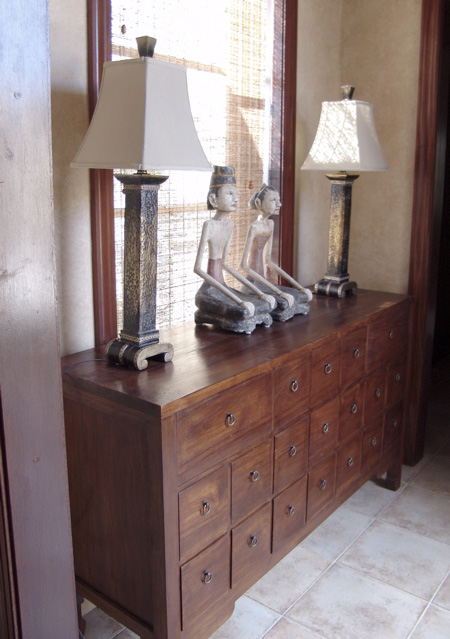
378,568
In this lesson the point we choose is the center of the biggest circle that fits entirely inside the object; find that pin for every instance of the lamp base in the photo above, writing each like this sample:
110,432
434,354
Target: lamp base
136,357
333,288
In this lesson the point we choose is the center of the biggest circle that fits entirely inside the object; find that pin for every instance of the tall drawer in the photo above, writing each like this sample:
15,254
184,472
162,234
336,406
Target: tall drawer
348,462
353,356
292,383
387,337
372,443
392,428
321,486
324,430
291,454
396,377
352,411
205,580
204,510
206,430
251,548
289,510
325,371
374,394
251,481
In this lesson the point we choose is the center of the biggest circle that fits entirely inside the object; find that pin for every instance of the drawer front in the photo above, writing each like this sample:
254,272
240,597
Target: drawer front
387,337
352,411
289,510
204,510
396,375
321,486
353,356
372,443
251,481
392,428
205,580
324,430
251,547
374,394
348,463
222,418
291,454
292,383
325,371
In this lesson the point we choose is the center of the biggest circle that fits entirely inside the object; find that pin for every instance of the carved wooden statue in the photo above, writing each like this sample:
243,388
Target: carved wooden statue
218,303
257,258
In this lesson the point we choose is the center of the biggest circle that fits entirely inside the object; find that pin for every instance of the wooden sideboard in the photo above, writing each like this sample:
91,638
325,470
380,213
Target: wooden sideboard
189,480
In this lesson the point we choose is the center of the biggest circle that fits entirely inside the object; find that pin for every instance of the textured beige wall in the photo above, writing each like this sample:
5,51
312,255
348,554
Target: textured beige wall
378,53
68,62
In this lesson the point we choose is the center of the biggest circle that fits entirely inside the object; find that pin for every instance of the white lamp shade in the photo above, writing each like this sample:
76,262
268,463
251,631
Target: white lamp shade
346,139
142,120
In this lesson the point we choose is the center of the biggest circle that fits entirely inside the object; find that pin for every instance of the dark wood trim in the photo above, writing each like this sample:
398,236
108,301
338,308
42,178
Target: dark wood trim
101,184
424,222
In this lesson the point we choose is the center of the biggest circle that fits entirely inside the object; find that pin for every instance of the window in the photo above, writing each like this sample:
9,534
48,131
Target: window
237,73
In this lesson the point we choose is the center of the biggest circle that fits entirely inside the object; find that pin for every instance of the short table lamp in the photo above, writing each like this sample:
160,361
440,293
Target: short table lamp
346,140
142,121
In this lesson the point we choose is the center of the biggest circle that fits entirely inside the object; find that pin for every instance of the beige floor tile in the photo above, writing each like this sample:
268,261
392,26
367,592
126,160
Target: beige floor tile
345,604
434,625
289,579
286,629
403,559
250,620
100,626
126,634
435,475
337,532
443,596
409,472
421,511
371,499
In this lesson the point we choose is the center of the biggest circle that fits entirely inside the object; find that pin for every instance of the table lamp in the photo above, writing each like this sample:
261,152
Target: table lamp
142,121
346,140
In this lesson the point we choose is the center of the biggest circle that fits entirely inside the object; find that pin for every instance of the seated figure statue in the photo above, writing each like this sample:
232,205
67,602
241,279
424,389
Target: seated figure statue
217,303
257,258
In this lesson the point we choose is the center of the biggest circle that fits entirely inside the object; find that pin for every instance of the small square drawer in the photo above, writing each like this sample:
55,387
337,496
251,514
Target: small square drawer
289,509
387,337
324,429
374,394
204,580
321,486
372,443
291,454
353,356
352,411
348,462
251,481
396,375
393,428
204,510
325,371
251,548
292,383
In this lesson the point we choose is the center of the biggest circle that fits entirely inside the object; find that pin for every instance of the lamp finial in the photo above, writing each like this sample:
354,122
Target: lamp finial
146,46
347,92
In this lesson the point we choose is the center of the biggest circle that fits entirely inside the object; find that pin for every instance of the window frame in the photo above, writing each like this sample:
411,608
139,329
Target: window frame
101,180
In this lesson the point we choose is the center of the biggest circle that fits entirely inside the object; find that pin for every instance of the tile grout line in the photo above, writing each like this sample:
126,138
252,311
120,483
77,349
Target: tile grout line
428,606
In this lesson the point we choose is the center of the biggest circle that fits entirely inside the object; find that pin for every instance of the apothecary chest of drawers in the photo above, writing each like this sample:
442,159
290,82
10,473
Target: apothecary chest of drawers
189,480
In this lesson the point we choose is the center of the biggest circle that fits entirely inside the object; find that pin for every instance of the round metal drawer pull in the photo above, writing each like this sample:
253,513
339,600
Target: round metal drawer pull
377,393
294,386
253,541
207,577
395,423
397,377
290,511
391,334
206,508
254,475
230,420
325,427
323,484
350,462
327,369
354,409
356,353
292,451
373,441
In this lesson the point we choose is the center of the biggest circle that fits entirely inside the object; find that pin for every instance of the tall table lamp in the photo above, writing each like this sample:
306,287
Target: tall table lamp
346,140
142,121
